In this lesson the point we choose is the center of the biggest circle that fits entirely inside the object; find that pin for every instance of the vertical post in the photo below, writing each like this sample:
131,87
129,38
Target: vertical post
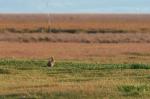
49,18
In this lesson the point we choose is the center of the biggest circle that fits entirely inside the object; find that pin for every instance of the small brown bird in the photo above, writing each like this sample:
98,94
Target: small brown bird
51,62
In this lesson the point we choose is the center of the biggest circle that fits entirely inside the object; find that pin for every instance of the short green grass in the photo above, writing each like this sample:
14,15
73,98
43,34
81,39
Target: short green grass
32,79
134,90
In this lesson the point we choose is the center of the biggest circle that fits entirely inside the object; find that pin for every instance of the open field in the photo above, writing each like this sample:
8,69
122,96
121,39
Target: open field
76,80
78,22
81,28
77,38
102,53
97,56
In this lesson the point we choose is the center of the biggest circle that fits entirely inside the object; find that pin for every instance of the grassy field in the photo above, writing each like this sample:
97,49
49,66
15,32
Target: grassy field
75,80
98,56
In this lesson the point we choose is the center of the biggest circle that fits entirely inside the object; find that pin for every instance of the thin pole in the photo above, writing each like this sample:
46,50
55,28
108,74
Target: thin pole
49,17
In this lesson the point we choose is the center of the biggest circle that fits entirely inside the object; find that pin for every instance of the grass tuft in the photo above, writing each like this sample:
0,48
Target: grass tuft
133,90
139,66
4,71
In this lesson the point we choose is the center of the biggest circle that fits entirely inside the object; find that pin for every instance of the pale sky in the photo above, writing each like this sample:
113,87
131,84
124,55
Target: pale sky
75,6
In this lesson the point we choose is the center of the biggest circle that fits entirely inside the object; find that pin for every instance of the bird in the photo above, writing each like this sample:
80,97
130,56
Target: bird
51,62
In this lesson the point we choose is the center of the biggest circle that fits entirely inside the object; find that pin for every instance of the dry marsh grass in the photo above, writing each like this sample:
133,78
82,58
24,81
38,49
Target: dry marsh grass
94,52
77,21
82,28
77,38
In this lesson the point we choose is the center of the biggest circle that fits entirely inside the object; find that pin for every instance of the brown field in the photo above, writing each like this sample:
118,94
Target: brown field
97,56
77,38
96,37
84,28
124,22
102,53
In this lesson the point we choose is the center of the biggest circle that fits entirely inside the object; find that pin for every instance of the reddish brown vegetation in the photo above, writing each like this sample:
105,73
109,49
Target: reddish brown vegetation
103,52
132,31
91,22
86,28
78,38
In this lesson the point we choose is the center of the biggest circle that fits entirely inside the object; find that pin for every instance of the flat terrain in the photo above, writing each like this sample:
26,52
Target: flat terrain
81,28
103,53
77,37
97,56
76,80
124,22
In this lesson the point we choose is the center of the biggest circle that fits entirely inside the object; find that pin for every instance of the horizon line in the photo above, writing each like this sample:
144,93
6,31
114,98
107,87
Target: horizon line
74,13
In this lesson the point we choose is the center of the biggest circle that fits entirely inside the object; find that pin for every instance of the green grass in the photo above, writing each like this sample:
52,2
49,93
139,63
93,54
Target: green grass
32,79
53,95
134,90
